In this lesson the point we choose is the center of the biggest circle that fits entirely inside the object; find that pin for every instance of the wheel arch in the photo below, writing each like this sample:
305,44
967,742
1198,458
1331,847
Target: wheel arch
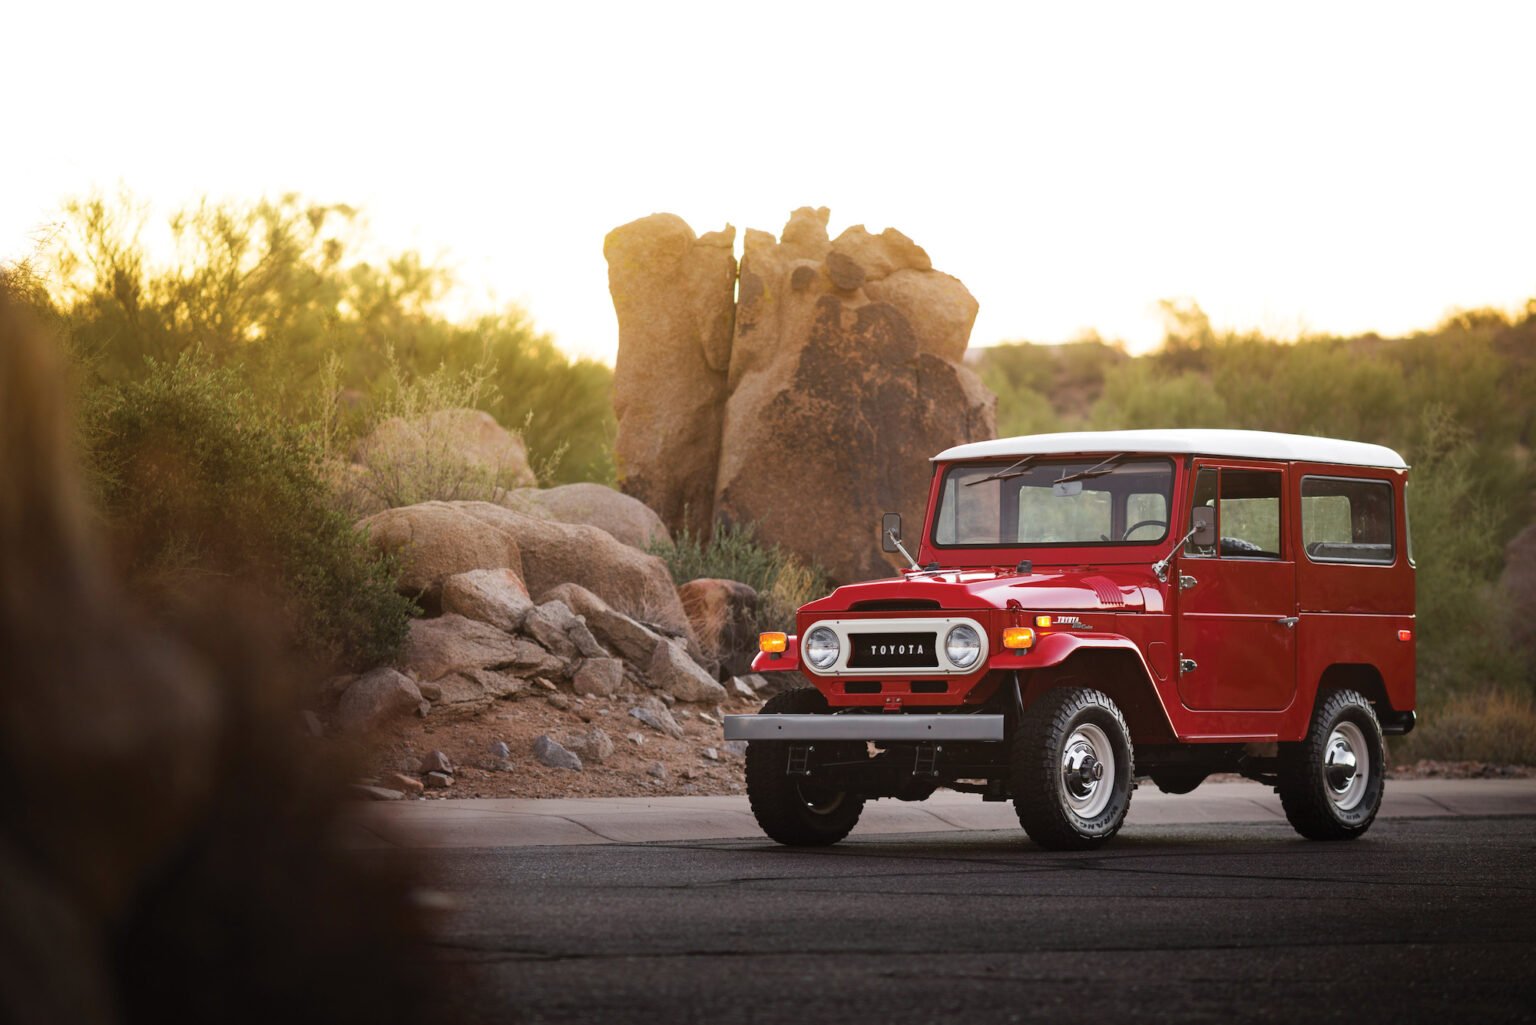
1122,675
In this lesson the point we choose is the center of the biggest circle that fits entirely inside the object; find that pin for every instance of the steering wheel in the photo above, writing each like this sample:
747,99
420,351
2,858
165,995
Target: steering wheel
1142,523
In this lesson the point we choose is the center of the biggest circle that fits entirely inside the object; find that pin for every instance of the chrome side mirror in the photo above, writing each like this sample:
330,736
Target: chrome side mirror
890,532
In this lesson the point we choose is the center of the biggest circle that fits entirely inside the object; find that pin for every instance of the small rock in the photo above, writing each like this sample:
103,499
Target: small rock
659,720
712,754
683,713
375,697
312,724
736,747
424,709
437,780
600,677
409,784
637,739
436,761
599,744
544,684
430,691
500,751
377,793
668,699
742,689
689,789
605,711
658,770
706,717
559,701
550,753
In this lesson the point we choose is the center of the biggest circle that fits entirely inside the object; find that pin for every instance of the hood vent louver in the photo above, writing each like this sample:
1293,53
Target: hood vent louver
895,605
1107,590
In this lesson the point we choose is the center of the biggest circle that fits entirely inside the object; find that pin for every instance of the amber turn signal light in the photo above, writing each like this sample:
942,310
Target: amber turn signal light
1018,637
773,642
1042,621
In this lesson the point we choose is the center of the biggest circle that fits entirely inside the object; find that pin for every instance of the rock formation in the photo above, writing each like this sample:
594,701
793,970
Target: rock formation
842,377
674,294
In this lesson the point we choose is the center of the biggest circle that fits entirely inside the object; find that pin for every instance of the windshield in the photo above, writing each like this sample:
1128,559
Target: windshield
1112,500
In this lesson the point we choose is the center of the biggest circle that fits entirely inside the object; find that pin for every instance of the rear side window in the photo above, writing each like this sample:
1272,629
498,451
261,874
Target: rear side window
1344,519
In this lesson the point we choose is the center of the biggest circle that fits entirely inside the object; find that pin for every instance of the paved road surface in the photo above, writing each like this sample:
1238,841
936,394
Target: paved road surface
1430,920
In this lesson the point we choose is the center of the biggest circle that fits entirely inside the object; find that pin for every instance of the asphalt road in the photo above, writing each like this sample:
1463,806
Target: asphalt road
1428,920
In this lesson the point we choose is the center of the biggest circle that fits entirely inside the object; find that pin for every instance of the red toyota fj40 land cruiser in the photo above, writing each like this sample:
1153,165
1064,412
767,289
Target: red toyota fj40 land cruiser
1086,609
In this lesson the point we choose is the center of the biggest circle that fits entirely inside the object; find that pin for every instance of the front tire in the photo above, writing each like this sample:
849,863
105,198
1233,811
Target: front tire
792,809
1072,769
1331,782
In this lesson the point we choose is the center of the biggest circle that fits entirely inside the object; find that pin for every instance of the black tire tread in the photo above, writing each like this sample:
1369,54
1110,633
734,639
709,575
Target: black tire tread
774,797
1307,807
1036,765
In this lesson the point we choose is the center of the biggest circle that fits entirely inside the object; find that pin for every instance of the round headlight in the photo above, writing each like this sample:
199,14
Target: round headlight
963,646
821,648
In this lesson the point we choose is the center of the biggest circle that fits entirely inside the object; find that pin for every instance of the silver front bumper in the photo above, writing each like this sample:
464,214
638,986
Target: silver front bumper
874,726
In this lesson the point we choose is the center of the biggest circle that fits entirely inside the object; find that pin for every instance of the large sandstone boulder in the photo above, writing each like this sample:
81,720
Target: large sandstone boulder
494,596
435,541
843,375
674,294
635,642
628,519
553,553
374,698
453,644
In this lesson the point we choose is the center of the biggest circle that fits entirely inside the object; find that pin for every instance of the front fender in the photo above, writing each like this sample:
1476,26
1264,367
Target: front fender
1054,649
779,661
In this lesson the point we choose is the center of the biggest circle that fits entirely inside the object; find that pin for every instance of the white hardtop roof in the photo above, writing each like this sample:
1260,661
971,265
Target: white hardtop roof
1241,444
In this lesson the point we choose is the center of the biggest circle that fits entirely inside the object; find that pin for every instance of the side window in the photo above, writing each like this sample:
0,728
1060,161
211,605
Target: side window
1249,520
1347,520
1205,496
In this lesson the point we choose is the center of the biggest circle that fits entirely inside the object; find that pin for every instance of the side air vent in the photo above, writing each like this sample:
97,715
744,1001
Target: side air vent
895,605
862,687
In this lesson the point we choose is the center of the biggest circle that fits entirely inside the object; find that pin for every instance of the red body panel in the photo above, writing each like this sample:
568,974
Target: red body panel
1262,632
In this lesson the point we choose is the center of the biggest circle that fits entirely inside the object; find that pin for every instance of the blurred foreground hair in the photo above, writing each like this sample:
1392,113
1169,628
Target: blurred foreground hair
168,843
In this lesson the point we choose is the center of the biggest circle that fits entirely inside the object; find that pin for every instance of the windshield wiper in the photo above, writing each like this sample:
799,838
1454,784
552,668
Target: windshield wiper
1018,469
1107,466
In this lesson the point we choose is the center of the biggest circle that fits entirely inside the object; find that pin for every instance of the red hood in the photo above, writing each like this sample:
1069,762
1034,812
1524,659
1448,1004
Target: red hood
1048,589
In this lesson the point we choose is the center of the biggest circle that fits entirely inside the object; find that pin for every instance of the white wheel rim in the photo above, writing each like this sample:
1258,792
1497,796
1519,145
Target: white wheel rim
1346,766
1087,771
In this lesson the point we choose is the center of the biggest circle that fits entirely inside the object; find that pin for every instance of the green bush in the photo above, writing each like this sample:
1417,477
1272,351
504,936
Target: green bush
275,291
196,481
782,582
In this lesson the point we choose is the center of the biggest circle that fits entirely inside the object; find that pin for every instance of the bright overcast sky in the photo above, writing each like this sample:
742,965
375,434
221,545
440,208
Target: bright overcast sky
1325,167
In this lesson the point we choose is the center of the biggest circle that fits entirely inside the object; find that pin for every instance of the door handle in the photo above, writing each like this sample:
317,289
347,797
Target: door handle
1188,665
1289,622
1186,581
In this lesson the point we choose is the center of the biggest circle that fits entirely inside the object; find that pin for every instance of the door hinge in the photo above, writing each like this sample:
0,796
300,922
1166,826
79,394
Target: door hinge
1188,665
1289,622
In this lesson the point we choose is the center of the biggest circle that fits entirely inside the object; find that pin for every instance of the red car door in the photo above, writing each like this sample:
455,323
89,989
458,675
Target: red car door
1237,599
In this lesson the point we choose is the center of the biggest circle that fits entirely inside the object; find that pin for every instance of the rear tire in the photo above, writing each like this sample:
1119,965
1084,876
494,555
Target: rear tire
791,809
1331,782
1072,769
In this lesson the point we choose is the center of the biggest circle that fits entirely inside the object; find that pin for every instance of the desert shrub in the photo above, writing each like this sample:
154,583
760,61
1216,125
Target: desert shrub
275,290
195,480
1487,726
733,552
